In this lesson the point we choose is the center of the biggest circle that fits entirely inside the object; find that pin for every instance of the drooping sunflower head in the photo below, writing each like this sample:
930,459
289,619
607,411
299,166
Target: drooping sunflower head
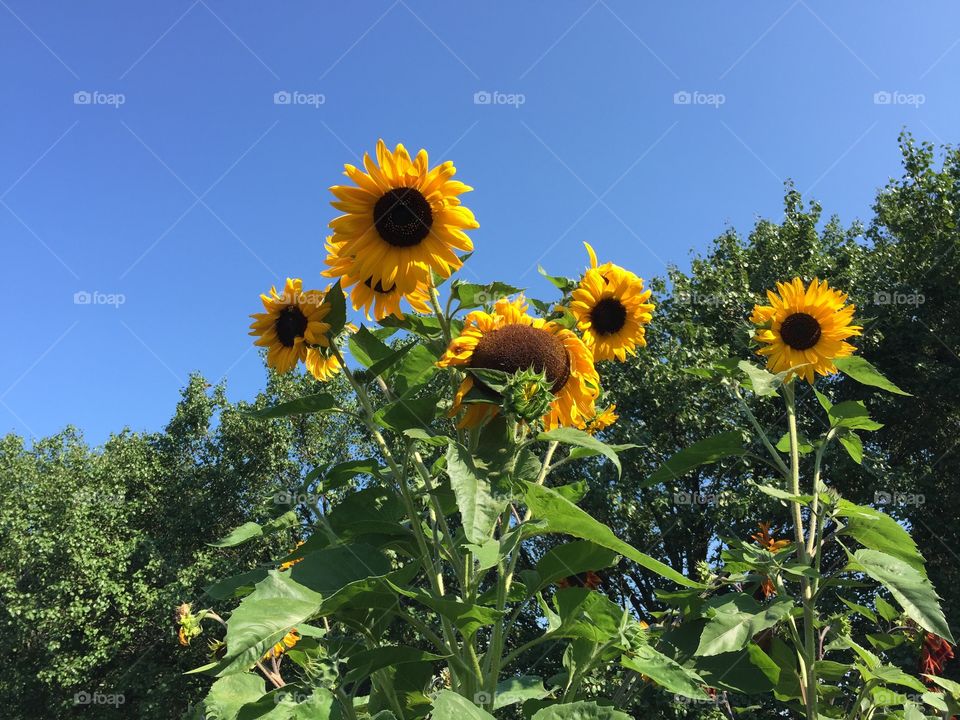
612,309
511,341
375,296
804,329
401,220
293,321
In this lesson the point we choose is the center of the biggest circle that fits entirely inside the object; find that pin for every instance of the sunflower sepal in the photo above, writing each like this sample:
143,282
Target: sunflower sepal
337,315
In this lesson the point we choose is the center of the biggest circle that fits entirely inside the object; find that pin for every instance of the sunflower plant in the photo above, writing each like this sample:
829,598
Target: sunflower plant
412,595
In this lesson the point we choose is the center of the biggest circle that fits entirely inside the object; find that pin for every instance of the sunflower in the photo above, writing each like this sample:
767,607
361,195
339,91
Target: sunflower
402,220
367,294
509,340
603,420
611,308
804,329
285,643
293,321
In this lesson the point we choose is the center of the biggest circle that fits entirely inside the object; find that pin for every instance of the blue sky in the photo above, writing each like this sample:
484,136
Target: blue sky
144,157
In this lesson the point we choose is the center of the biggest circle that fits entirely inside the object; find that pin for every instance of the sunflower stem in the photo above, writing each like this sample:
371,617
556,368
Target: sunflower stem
809,631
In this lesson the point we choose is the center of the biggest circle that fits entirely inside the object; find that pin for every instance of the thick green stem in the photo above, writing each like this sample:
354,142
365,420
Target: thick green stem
809,629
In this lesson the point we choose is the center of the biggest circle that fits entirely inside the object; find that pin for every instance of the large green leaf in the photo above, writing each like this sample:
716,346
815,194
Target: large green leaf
760,381
330,570
276,605
336,317
912,590
553,513
852,414
321,402
478,504
702,452
866,374
582,613
665,672
572,436
519,689
228,694
571,559
878,531
236,585
732,624
367,662
367,348
408,413
239,535
416,368
450,706
584,710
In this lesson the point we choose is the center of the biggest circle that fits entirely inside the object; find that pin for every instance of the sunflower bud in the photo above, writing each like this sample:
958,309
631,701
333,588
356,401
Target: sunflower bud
705,572
527,395
188,624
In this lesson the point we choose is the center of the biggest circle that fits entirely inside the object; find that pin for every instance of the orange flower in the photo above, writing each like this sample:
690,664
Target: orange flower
290,563
934,655
765,540
589,580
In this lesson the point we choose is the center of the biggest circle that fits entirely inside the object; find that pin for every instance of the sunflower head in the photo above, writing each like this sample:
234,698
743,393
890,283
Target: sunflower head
804,329
402,219
293,321
512,342
612,310
285,643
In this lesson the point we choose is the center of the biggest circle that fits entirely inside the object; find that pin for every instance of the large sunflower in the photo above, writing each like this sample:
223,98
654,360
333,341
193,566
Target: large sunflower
402,220
804,329
508,339
369,295
611,308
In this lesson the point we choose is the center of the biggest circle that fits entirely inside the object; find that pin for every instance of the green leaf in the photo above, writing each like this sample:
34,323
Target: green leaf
733,623
518,689
702,452
782,494
237,585
366,662
342,473
408,413
853,445
878,531
367,348
583,710
804,445
472,295
450,706
228,694
912,590
865,611
763,383
578,453
866,374
665,672
890,675
563,283
239,535
852,414
555,514
416,368
570,559
337,316
319,403
887,611
479,506
276,605
572,436
385,363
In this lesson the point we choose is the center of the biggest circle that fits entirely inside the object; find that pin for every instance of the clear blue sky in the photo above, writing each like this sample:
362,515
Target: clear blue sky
198,191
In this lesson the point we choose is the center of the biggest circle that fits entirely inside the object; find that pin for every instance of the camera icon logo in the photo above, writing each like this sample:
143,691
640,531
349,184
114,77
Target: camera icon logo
282,97
283,498
482,97
882,97
82,97
682,97
82,297
483,698
882,497
82,698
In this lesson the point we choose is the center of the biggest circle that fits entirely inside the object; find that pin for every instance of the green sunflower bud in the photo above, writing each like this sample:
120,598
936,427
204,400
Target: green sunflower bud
527,395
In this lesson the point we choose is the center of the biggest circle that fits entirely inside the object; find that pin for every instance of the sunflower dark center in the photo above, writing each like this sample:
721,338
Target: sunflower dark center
291,324
379,288
800,331
403,217
513,348
608,316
